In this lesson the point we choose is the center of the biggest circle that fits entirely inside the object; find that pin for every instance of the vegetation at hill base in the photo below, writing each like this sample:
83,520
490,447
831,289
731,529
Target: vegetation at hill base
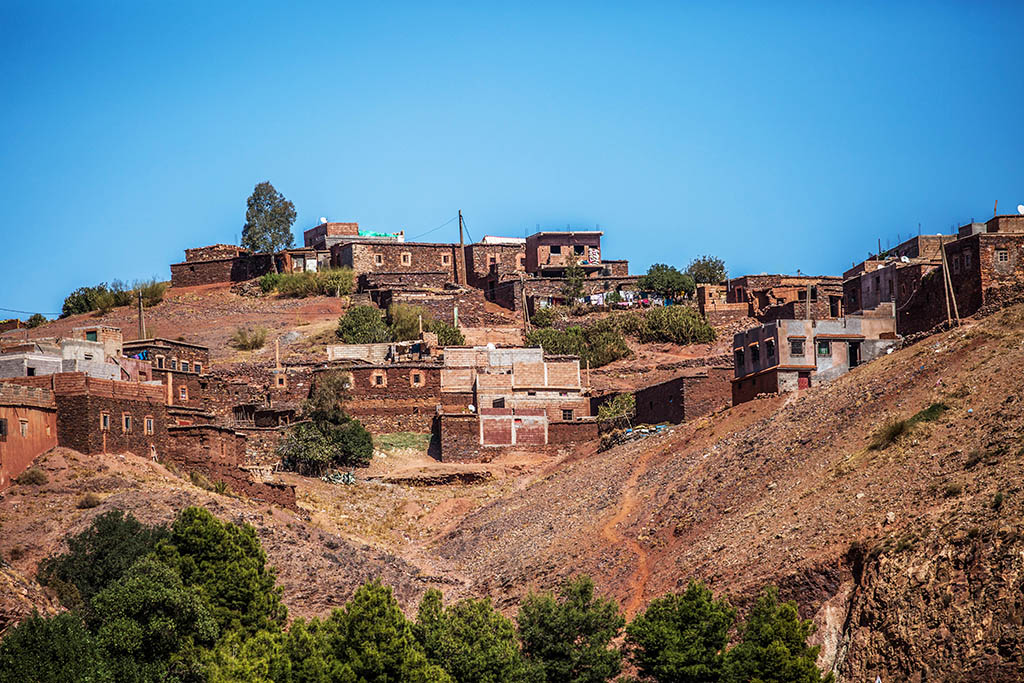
367,325
104,297
196,601
328,282
249,338
327,437
667,281
707,270
622,406
268,221
603,341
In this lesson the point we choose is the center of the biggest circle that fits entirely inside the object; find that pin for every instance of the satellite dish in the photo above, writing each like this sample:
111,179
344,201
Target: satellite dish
323,219
472,408
1020,209
904,259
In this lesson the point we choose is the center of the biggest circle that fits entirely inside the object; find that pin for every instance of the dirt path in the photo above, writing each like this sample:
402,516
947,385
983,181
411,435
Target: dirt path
638,582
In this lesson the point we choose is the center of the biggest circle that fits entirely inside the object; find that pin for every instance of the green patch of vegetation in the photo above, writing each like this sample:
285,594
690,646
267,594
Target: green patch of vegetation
249,338
887,434
973,458
621,406
597,344
929,414
418,440
997,501
104,297
952,490
199,479
366,325
33,476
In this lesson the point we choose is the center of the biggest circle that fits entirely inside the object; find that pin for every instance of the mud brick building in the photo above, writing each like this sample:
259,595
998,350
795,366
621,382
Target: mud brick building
497,431
695,393
219,263
787,355
876,280
548,254
28,428
327,234
713,304
548,291
985,260
393,397
178,365
784,297
405,257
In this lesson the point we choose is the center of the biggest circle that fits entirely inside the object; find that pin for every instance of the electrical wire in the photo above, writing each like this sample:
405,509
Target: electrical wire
14,310
423,234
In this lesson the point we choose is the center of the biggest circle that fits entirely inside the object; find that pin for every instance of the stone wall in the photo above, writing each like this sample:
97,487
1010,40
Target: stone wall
236,269
493,263
397,257
747,388
435,279
685,397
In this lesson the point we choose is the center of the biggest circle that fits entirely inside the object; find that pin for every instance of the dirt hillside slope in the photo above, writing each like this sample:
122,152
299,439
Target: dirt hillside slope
910,556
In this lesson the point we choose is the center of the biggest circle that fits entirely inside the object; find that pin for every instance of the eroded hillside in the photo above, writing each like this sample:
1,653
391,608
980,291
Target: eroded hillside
909,556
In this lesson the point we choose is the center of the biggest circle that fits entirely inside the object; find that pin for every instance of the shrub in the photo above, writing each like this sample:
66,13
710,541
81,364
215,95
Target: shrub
33,476
82,300
997,501
621,406
929,414
52,650
447,335
363,325
152,291
953,490
336,281
891,430
405,321
269,282
249,339
543,317
298,285
673,324
35,320
200,480
666,281
598,344
89,500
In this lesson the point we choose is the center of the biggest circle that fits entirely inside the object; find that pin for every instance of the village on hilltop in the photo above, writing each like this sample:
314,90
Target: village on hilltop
470,377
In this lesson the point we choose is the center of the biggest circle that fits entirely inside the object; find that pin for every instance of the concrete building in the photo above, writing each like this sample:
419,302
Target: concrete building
326,235
876,279
787,355
549,253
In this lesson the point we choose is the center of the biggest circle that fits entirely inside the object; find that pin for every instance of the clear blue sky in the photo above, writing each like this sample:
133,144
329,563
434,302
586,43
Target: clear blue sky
776,135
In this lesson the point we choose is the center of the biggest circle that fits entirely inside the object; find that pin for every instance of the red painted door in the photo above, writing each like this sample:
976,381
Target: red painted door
803,380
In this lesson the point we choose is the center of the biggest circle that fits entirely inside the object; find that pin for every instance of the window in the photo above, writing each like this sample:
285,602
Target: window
446,259
769,348
174,364
491,260
498,403
556,249
531,393
522,263
563,393
796,347
105,422
755,354
160,362
378,259
183,393
199,366
23,424
567,415
824,347
149,424
579,250
378,379
30,372
91,335
280,380
3,428
126,423
739,358
417,379
967,260
1002,255
956,264
184,365
406,258
88,356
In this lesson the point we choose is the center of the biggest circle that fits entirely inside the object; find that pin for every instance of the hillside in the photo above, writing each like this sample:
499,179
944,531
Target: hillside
904,556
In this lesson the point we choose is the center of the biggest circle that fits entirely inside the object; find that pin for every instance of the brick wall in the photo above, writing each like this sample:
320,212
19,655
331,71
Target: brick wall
238,269
685,397
436,279
397,257
747,388
494,262
215,252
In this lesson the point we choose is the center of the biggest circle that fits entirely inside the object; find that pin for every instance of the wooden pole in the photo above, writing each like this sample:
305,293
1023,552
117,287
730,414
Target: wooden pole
945,288
142,320
464,271
952,292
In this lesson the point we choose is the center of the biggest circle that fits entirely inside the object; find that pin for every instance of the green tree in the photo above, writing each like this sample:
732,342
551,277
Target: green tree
151,626
363,325
373,641
666,281
675,324
268,221
681,638
621,406
228,566
98,556
331,437
82,300
405,321
707,270
55,650
773,646
543,317
573,287
471,640
35,320
570,637
447,335
260,658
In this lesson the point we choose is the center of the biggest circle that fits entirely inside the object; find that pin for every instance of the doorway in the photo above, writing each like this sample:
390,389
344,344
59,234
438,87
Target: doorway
854,354
803,380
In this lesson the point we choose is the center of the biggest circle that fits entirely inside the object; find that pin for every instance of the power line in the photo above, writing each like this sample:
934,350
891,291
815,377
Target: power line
14,310
471,240
423,234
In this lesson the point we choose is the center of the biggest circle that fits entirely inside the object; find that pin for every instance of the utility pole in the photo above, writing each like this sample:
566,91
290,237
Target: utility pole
462,255
142,320
995,209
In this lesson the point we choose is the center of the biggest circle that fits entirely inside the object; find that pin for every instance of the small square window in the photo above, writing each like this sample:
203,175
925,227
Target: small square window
280,380
567,415
446,259
556,249
378,259
174,364
579,249
406,258
126,423
967,260
184,365
23,424
796,347
378,380
824,348
149,425
105,422
91,335
1002,255
183,393
199,367
160,362
417,379
498,402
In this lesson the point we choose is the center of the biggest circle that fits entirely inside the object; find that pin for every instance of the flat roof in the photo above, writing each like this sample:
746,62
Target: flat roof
162,340
567,232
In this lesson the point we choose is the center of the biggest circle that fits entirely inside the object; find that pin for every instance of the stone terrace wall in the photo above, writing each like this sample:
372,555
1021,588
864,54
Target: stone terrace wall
435,279
237,269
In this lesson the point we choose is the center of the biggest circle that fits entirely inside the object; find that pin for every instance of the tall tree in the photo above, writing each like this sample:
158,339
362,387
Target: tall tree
569,637
268,221
773,646
573,287
681,637
666,280
54,650
707,270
